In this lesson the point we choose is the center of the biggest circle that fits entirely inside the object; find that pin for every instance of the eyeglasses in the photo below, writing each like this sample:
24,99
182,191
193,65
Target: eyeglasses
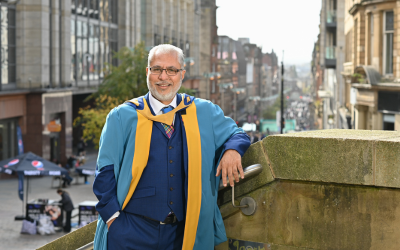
171,71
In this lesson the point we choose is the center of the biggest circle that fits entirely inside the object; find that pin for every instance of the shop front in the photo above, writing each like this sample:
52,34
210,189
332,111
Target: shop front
12,125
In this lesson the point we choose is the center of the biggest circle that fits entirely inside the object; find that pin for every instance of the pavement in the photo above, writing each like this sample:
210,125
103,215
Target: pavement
39,187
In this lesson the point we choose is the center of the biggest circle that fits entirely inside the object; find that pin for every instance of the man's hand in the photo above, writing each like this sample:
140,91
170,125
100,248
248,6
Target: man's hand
230,164
110,222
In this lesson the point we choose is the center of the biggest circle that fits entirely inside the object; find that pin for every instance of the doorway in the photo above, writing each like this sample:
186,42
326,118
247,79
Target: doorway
55,151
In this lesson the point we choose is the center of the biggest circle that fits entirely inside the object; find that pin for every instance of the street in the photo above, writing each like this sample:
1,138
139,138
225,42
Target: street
40,187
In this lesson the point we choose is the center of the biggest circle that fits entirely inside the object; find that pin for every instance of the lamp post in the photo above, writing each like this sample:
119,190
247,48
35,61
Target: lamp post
222,87
236,92
210,76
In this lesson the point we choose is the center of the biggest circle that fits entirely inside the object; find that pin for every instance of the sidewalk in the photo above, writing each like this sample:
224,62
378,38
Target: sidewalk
40,187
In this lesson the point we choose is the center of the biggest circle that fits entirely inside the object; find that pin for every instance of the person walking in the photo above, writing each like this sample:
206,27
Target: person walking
67,206
81,147
161,158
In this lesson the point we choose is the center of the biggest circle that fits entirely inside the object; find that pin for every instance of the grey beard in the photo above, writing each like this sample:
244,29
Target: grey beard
161,97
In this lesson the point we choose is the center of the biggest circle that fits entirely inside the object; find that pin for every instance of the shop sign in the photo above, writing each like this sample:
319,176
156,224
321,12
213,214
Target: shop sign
53,126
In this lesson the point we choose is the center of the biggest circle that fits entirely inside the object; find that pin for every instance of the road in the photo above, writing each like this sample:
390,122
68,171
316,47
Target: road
40,187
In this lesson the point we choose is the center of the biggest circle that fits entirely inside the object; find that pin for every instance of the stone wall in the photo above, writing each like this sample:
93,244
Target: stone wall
326,189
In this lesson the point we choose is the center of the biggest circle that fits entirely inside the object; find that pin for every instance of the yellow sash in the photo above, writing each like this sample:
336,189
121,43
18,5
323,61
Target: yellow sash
141,155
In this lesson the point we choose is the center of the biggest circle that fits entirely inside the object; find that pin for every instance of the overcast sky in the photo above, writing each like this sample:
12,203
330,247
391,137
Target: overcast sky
289,25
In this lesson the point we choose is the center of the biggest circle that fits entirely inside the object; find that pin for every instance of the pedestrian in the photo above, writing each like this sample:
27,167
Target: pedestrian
81,161
157,157
67,206
67,179
71,161
81,146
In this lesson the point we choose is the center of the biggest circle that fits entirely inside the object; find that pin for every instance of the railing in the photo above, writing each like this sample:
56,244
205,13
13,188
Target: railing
248,172
89,246
330,52
331,16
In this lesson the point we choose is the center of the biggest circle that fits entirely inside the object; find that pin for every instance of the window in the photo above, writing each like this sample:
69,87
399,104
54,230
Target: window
8,42
371,39
166,37
94,39
349,46
388,28
174,40
388,122
8,138
157,37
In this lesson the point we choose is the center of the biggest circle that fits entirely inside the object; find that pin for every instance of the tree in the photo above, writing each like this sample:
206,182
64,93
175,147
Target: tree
121,83
93,119
128,79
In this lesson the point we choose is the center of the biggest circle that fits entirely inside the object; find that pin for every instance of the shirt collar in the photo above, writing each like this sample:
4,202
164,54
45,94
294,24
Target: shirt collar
156,105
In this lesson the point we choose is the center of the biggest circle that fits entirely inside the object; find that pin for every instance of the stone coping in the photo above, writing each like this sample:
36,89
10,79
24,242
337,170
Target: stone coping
73,240
359,157
352,157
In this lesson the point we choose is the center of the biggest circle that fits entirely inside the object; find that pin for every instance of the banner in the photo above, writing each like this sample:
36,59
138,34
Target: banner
20,175
20,143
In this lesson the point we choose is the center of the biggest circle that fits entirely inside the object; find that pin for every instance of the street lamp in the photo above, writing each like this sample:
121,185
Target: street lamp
222,87
236,92
210,76
189,60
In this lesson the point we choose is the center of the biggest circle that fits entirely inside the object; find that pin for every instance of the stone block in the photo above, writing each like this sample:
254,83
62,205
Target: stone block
339,156
32,56
387,162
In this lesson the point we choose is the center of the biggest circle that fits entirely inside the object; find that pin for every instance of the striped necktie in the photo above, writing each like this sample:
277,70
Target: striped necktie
169,130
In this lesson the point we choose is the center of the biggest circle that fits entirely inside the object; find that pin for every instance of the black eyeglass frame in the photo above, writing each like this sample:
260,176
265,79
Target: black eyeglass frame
166,72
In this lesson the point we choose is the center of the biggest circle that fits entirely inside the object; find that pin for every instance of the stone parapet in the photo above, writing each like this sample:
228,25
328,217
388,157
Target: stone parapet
326,189
73,240
358,157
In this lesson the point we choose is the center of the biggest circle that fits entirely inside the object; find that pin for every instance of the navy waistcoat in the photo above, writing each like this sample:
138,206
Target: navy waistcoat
161,187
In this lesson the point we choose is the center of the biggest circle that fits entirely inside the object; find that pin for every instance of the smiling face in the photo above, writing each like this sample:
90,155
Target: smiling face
162,86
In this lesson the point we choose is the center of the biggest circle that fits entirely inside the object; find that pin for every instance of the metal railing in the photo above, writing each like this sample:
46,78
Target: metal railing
88,246
248,172
330,52
331,16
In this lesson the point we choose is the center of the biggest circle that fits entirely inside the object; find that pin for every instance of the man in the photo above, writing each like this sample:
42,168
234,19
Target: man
159,165
67,206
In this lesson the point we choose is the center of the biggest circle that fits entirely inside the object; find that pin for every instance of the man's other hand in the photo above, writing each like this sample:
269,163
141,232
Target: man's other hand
109,223
230,165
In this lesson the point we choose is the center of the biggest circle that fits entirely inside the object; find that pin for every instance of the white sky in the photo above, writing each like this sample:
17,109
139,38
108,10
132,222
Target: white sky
289,25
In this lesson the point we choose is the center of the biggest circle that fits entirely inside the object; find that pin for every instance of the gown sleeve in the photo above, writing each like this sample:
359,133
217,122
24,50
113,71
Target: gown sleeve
110,156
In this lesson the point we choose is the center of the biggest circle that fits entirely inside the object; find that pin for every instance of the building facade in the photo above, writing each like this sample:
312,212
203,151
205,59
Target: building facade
331,49
54,52
372,69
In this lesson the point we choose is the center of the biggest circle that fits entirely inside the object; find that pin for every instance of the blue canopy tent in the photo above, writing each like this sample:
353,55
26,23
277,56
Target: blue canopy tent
29,164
